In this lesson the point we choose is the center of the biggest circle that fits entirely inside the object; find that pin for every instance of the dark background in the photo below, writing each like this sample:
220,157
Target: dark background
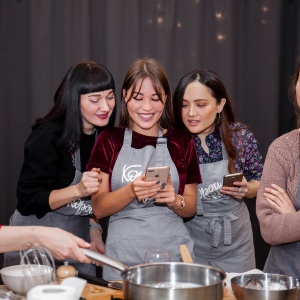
252,44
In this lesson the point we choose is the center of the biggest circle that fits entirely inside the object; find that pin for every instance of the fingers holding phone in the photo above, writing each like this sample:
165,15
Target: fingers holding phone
235,185
155,181
166,194
147,186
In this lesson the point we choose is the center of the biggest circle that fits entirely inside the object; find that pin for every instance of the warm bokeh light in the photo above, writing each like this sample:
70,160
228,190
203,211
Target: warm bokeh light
265,8
221,37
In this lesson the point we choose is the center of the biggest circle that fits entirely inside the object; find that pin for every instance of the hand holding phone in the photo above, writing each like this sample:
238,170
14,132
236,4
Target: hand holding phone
229,179
157,173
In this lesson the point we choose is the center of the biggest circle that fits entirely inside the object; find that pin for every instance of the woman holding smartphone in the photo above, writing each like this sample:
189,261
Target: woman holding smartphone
221,228
145,214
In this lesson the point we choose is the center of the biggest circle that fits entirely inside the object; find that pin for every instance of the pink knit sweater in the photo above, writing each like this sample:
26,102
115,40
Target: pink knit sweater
282,168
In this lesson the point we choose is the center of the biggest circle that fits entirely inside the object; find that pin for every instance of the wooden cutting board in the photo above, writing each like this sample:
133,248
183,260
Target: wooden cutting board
228,295
96,292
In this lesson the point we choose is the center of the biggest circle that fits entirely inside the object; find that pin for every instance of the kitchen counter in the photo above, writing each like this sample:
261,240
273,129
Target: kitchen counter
96,292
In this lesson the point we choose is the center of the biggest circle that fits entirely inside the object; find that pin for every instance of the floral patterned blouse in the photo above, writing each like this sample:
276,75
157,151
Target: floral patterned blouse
248,158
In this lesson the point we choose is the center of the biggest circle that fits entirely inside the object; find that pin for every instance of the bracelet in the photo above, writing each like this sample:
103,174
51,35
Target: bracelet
182,204
97,226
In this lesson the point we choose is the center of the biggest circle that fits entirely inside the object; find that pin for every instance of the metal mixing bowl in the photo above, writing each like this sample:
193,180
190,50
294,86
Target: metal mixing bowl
265,287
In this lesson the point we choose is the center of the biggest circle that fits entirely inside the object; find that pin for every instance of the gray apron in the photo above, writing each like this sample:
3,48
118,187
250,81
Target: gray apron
141,226
221,229
73,217
277,261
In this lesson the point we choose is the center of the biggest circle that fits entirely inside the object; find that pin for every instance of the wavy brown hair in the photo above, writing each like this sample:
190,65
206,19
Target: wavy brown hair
140,70
217,89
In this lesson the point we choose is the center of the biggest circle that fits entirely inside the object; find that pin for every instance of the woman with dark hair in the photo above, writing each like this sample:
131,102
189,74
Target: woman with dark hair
145,214
278,198
53,187
221,228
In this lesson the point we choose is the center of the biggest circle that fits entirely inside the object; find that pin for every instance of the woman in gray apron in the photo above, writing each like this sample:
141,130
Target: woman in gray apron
145,215
278,199
221,228
52,189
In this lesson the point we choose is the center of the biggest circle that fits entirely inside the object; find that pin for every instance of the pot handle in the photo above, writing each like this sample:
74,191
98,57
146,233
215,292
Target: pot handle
104,259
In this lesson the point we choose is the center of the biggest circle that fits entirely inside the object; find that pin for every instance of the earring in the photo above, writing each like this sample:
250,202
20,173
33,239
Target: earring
218,116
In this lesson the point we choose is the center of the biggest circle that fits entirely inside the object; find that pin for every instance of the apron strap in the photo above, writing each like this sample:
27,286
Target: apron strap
127,137
77,162
161,145
77,159
214,228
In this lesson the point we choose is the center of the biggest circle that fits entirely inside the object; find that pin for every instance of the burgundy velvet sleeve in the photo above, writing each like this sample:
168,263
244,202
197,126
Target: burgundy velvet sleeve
183,152
106,150
193,171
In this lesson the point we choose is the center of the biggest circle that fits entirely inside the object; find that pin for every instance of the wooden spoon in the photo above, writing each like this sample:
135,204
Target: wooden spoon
185,254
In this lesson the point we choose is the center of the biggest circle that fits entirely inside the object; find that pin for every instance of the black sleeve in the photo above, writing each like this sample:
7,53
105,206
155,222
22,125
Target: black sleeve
47,166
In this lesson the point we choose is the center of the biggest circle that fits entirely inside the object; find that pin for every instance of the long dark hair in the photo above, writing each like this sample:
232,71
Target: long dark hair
210,79
140,70
292,93
81,78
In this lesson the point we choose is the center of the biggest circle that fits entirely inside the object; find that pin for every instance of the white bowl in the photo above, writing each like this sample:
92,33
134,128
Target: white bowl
20,279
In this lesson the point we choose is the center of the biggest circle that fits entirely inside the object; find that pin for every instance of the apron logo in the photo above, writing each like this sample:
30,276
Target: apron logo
212,191
130,174
81,207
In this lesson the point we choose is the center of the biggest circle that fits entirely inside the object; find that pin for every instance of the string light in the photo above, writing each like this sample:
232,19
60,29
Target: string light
221,37
219,15
265,8
160,20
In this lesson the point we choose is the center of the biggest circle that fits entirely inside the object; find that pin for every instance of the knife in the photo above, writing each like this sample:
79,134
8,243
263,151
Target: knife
100,281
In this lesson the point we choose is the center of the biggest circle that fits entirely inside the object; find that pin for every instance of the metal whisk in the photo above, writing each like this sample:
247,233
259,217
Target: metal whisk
37,265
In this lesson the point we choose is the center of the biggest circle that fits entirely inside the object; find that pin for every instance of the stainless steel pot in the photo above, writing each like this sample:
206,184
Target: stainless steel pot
167,281
265,286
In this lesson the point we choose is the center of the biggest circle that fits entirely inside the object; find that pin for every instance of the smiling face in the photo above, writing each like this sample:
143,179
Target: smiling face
145,108
199,109
96,109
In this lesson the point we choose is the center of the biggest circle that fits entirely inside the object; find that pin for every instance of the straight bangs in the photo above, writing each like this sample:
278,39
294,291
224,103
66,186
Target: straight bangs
89,77
158,88
157,85
96,81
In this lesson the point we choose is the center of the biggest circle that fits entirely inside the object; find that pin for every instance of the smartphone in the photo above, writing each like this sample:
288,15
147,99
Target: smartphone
157,173
229,179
